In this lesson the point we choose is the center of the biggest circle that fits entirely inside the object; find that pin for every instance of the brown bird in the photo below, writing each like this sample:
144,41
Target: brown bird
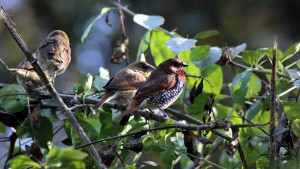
27,77
161,89
121,88
53,55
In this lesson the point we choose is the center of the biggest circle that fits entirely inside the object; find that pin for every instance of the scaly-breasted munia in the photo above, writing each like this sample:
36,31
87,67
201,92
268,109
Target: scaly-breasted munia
121,88
53,55
161,89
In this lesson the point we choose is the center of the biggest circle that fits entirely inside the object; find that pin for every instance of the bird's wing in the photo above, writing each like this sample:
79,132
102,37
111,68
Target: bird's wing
126,80
158,82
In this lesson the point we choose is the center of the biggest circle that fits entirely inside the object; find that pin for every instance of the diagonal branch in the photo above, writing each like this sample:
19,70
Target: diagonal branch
16,35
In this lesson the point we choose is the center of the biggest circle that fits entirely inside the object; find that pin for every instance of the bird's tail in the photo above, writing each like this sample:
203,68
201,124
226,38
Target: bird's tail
131,108
105,98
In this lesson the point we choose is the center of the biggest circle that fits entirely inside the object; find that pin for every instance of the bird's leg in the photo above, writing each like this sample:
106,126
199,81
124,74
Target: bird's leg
165,114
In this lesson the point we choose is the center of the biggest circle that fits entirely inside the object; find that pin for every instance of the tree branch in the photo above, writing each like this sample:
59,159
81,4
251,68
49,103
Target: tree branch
16,35
272,140
125,9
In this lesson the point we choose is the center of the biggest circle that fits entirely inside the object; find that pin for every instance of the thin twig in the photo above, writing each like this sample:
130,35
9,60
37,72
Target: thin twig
16,35
7,68
272,141
257,70
286,91
125,9
244,162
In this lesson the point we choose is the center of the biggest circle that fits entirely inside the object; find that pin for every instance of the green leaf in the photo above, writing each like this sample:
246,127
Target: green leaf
254,86
253,110
102,79
2,127
158,48
150,144
144,45
44,133
214,55
253,57
292,110
206,34
70,154
262,163
88,129
85,85
291,51
88,29
23,162
223,111
168,157
199,52
252,154
13,98
180,44
211,73
149,22
107,123
239,87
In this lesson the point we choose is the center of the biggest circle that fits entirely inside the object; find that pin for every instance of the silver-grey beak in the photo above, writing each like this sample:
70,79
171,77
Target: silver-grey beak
183,64
150,68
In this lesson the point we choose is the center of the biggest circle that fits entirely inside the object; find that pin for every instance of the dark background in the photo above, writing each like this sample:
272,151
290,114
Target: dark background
252,22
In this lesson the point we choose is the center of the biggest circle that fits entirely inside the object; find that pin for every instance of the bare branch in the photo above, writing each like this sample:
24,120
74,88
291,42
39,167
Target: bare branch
272,140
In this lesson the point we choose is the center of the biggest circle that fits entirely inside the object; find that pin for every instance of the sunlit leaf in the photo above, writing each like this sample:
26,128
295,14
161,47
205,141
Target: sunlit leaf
206,34
254,86
238,89
292,110
180,44
158,48
147,21
237,50
2,127
291,51
88,129
102,79
44,133
13,98
22,161
69,154
86,84
144,45
214,55
88,29
297,83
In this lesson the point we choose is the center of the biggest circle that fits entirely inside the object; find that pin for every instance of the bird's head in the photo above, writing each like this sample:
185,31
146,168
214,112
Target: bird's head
60,33
173,65
142,67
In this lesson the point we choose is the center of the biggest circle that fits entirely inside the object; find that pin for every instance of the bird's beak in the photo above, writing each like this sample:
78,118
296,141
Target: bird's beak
183,64
150,68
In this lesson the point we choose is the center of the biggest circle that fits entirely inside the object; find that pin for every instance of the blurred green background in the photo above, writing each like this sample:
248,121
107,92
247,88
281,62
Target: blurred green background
252,22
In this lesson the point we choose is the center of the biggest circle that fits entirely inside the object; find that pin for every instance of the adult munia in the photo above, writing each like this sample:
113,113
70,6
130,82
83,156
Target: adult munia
53,55
161,89
121,88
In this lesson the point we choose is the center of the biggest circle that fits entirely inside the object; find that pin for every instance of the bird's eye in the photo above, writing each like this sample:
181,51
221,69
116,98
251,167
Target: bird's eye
176,64
144,66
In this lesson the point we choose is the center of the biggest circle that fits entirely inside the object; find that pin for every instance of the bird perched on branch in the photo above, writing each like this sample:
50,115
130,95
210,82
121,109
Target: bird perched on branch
121,88
53,55
161,89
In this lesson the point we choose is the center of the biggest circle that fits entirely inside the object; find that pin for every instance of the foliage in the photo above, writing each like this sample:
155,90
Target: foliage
247,102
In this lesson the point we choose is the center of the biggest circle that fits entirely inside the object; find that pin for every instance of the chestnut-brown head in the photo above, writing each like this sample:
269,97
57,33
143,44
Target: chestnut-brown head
173,66
142,67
